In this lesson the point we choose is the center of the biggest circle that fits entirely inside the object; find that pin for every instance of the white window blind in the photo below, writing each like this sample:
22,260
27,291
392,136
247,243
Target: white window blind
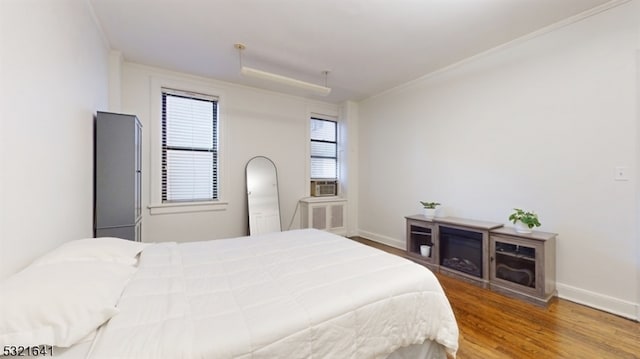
189,147
324,149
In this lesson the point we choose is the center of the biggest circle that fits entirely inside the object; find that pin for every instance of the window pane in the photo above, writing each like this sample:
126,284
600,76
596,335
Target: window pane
323,168
323,149
189,142
189,175
323,130
189,122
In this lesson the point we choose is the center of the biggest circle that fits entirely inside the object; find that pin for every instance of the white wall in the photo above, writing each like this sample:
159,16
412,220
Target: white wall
348,158
54,75
253,122
638,166
540,125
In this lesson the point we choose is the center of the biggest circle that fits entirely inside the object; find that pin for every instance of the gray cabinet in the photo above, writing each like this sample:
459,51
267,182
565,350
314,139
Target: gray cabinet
118,176
486,254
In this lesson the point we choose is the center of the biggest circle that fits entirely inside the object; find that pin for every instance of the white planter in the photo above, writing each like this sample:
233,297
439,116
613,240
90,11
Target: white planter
425,250
522,228
430,212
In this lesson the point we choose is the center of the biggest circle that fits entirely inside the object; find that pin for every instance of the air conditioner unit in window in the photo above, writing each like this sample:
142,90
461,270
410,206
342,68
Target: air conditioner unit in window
324,188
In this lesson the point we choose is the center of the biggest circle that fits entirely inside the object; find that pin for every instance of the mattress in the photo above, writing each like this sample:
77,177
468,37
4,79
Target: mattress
295,294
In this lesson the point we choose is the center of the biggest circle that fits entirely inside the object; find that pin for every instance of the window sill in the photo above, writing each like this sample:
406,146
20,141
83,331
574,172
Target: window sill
186,207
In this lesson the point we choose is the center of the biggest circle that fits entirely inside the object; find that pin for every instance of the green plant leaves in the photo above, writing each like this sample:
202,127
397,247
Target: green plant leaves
430,205
526,217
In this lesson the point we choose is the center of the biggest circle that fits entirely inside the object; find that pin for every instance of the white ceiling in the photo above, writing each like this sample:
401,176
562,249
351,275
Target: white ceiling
368,45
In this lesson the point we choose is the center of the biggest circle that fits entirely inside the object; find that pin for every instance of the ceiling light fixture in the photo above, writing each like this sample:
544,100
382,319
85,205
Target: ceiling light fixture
249,71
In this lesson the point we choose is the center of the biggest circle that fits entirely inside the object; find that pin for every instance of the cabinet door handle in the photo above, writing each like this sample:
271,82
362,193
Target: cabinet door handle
491,259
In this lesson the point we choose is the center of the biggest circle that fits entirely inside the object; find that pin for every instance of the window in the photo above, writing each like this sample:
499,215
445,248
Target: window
189,147
324,149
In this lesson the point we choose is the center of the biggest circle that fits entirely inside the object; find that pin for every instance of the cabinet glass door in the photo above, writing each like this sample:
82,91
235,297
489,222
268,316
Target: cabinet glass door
515,263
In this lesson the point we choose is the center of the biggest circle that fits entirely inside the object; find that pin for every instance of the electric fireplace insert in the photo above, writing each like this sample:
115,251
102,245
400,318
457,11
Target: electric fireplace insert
461,250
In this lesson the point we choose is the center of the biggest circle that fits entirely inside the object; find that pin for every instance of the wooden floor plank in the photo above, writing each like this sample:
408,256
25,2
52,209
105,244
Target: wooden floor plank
495,326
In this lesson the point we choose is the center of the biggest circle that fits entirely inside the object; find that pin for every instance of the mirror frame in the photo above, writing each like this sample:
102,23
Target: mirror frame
255,230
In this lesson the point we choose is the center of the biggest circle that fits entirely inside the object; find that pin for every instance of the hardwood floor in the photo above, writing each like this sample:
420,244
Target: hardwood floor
495,326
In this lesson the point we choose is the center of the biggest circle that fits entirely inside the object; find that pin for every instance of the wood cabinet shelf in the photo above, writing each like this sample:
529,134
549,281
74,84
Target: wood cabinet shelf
515,255
486,254
422,232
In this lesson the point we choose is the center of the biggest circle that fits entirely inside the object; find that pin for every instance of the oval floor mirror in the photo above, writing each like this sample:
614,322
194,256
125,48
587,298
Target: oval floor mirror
262,196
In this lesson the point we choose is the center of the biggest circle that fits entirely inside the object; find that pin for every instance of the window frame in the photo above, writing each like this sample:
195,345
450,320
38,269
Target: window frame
156,206
336,142
166,148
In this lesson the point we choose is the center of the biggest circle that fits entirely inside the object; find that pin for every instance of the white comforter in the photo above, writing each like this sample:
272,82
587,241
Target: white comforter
296,294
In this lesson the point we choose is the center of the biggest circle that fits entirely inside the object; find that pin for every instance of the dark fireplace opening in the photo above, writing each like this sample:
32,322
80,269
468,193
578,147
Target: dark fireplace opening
461,250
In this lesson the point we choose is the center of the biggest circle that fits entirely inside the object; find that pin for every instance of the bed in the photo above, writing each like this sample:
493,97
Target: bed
294,294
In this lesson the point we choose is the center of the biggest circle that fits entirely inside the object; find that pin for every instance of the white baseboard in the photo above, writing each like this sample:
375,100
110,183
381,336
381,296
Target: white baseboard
603,302
393,242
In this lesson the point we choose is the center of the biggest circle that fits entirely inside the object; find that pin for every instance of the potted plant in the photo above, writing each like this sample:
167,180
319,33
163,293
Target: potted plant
430,208
524,220
425,250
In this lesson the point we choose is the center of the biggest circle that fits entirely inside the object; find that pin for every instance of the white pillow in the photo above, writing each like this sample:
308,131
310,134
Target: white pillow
59,304
107,249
